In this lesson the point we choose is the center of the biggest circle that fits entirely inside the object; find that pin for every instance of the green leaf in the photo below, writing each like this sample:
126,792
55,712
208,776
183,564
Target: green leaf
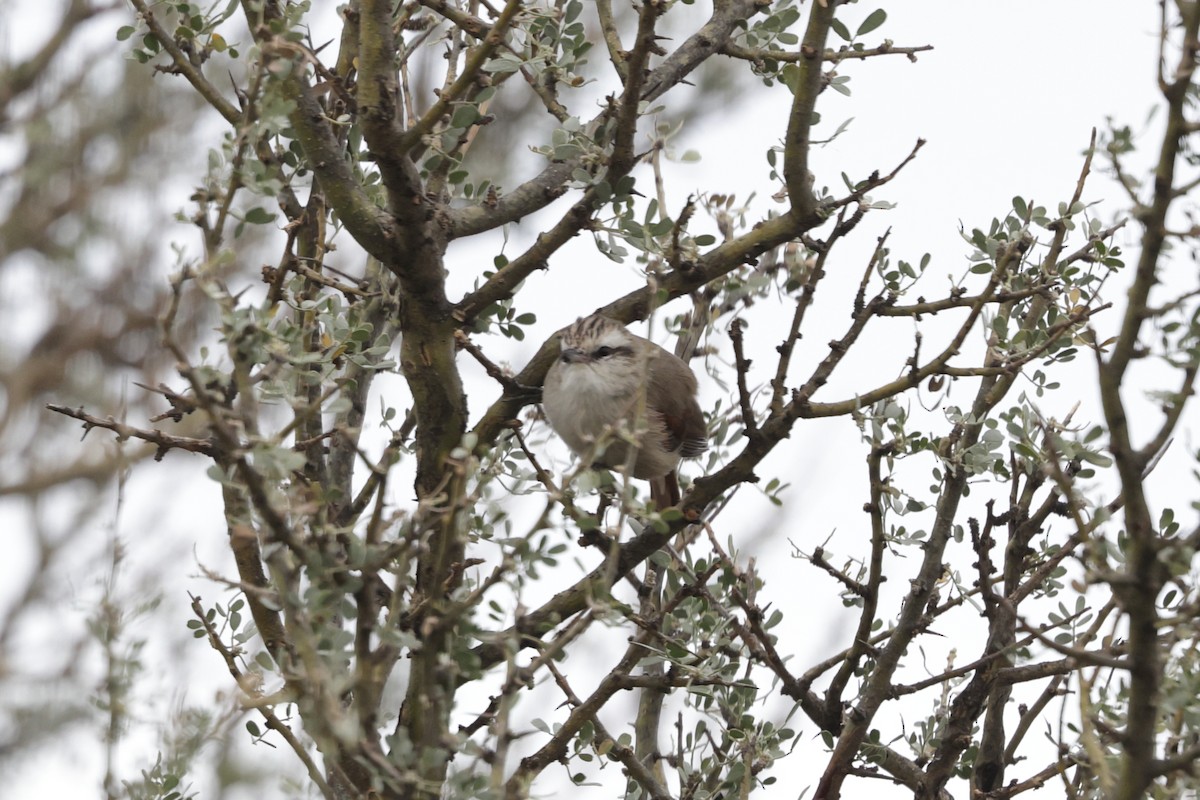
790,75
124,32
840,29
873,21
259,216
502,64
464,116
1099,459
230,7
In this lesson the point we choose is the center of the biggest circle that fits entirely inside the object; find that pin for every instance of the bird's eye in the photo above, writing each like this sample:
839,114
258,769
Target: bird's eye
604,352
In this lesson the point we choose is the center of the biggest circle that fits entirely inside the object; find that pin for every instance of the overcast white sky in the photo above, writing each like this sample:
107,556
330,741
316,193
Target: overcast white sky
1006,102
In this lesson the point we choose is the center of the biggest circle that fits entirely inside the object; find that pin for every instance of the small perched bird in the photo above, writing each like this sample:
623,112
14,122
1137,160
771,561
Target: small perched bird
597,383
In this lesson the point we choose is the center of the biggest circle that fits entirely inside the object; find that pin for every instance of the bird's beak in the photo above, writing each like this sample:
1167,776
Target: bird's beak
574,355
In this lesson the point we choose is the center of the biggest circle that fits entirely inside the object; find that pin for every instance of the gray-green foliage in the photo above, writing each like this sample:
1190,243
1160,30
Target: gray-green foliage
363,611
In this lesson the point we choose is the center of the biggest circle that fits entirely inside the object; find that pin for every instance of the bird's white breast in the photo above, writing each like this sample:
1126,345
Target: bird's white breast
582,403
586,401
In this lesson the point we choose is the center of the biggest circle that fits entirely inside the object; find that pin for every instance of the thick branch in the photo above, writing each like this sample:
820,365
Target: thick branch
548,185
808,85
377,93
477,57
555,749
1139,586
370,225
184,66
622,159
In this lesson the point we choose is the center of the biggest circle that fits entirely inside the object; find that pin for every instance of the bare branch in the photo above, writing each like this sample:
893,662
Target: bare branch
164,441
758,55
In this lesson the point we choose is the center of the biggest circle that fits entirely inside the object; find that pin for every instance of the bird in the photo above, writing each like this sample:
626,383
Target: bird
599,380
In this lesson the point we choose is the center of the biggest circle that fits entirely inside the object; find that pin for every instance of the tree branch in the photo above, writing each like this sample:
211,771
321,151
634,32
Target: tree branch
797,142
164,441
186,68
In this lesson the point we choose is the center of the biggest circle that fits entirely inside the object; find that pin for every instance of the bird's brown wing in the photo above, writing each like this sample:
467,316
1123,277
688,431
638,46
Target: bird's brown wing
675,401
